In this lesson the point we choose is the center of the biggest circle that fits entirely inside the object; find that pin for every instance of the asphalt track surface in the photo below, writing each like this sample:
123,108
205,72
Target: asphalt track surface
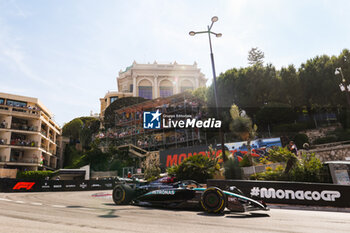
86,212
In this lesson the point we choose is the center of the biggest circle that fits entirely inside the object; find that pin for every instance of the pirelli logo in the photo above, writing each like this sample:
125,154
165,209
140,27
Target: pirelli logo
23,185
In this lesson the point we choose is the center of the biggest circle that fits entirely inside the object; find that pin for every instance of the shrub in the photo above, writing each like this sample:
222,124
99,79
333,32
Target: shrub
279,154
245,162
197,167
232,169
151,166
34,175
343,135
300,139
309,169
327,139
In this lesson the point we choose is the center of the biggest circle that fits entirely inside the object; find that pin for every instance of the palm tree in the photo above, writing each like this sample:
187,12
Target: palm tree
243,127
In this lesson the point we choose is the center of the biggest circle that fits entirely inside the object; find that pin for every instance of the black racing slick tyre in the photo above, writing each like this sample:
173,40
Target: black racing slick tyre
122,194
213,200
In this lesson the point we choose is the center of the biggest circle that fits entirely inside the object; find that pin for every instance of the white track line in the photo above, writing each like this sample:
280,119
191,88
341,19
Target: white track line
36,203
20,202
58,206
4,199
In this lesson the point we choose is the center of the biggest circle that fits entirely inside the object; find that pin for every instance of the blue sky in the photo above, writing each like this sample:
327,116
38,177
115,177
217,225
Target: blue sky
68,53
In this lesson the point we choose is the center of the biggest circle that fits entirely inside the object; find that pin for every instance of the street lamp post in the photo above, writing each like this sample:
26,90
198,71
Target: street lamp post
192,33
344,86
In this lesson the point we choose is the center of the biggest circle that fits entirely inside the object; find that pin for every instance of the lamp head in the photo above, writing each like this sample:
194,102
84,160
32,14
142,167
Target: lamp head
192,33
219,35
214,19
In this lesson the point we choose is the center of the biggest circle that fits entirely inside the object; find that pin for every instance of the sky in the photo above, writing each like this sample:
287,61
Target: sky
68,53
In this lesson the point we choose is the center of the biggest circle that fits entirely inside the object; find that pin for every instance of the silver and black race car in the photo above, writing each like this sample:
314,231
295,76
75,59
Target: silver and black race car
186,194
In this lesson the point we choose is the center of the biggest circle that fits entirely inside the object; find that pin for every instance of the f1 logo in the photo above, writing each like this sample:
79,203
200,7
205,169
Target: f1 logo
151,120
23,185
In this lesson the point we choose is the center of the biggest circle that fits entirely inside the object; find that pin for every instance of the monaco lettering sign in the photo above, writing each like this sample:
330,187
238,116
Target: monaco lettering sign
326,195
172,157
294,193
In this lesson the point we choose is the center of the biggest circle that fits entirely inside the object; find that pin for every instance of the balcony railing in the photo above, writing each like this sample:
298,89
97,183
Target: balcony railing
43,132
27,143
23,160
24,110
24,127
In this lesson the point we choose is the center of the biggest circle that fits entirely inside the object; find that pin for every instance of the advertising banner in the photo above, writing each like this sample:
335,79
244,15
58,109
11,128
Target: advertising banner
16,185
259,147
294,193
172,157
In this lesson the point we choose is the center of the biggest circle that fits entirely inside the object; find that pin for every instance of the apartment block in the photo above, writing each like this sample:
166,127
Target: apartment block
29,138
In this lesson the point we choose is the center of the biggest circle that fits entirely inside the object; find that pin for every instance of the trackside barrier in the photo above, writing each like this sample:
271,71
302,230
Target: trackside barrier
294,193
21,185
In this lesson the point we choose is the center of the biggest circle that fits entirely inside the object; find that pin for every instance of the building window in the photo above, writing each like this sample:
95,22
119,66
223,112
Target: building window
131,87
165,91
16,103
186,88
145,92
113,98
2,101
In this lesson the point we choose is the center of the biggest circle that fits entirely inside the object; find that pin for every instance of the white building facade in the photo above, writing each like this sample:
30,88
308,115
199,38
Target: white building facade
152,81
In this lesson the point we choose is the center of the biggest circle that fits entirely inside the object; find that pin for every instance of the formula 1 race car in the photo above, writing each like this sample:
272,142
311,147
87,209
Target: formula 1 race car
186,194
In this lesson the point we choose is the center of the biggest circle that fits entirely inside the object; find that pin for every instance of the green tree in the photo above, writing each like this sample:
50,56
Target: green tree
291,90
256,57
72,129
201,93
81,129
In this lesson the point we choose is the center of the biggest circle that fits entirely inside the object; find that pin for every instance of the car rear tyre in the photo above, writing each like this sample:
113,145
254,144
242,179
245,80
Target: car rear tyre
122,194
213,200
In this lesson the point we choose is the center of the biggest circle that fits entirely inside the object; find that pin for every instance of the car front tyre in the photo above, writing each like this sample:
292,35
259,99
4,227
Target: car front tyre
213,200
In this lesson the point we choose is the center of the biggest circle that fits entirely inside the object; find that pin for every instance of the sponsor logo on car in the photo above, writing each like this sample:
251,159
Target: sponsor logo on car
163,192
325,195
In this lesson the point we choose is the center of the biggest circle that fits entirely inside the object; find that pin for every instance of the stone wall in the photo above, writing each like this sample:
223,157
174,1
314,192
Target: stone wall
313,134
335,153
